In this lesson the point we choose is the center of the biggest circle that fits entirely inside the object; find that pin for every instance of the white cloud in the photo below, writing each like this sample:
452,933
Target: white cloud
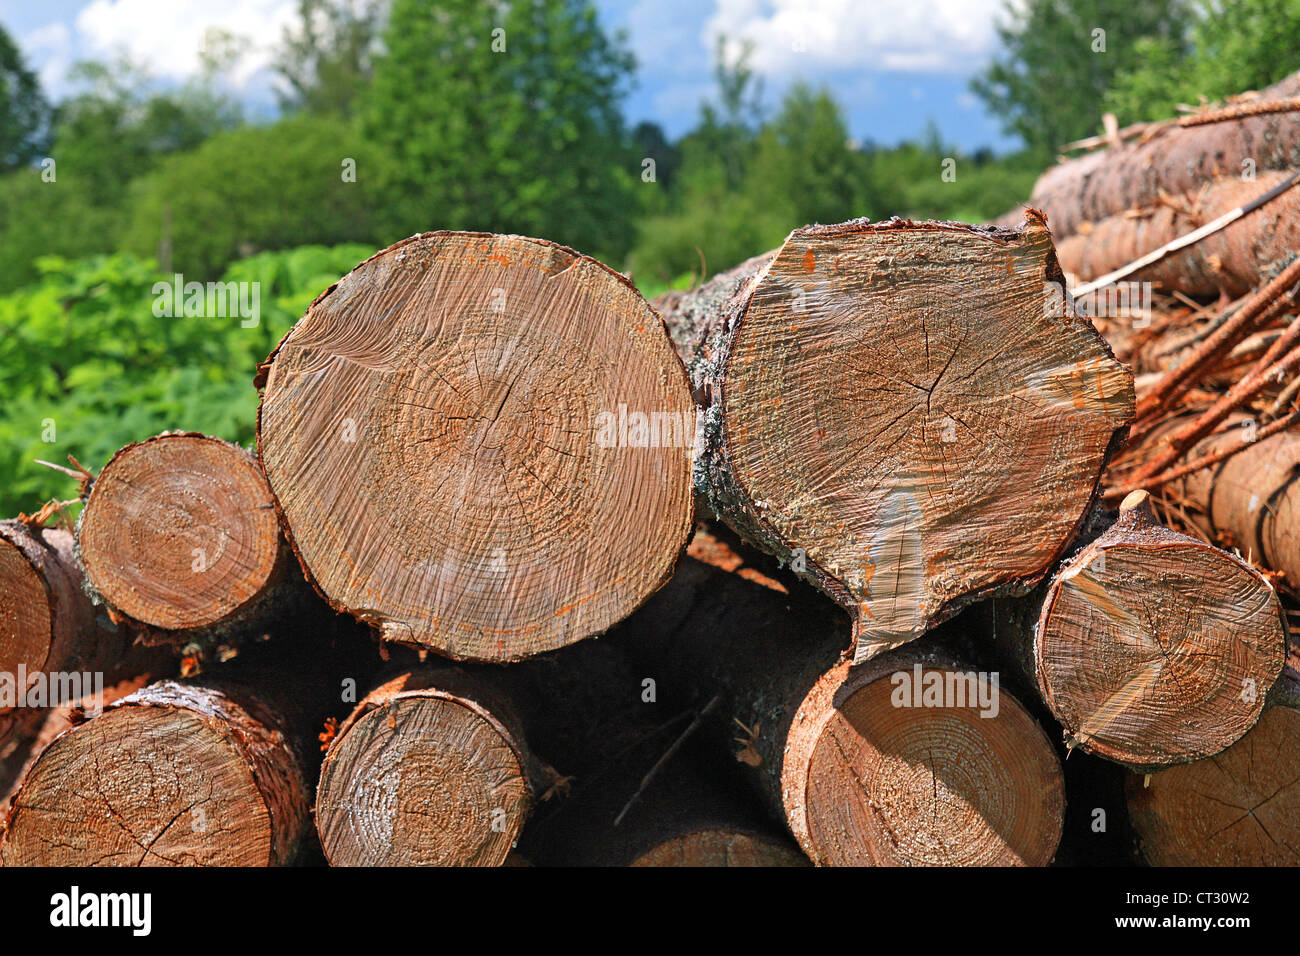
886,35
165,35
51,47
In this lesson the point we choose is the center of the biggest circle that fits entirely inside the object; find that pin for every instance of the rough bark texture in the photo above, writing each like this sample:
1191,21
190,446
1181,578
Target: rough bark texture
47,623
857,779
179,533
431,769
1175,161
1149,647
905,412
1232,261
481,445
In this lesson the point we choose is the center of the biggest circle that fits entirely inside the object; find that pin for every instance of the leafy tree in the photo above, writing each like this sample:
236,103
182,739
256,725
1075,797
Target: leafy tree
302,180
505,118
24,112
327,56
1228,46
1049,85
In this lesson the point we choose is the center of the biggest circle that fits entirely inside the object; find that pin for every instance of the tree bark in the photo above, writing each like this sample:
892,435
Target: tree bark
905,412
432,768
480,445
858,776
1150,647
1174,161
47,623
179,535
1230,262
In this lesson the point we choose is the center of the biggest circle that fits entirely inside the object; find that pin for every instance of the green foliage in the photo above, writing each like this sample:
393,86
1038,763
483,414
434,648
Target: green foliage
42,218
1229,46
24,112
517,130
1049,85
325,58
255,188
85,361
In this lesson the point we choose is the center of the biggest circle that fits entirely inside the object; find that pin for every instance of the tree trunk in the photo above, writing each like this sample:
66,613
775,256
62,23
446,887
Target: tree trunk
1229,262
1175,160
481,445
859,776
47,623
1240,809
187,773
431,769
904,412
1250,501
1149,647
179,534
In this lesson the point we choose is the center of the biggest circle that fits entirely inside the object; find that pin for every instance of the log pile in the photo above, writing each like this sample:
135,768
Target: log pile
874,530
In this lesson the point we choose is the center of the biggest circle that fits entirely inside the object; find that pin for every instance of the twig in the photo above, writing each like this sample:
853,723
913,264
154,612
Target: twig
668,754
1239,111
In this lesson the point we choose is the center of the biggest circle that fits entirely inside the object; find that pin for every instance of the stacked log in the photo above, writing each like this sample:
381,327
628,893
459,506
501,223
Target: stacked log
866,421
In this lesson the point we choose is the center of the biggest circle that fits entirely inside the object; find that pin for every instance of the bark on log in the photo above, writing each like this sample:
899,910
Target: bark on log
432,768
1250,501
47,623
187,773
900,410
1230,262
1241,808
857,779
179,534
1176,160
1150,647
480,444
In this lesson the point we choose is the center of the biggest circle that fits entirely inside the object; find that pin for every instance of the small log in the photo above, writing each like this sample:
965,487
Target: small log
430,769
1150,647
47,623
480,445
909,414
1251,500
858,777
1174,160
1230,262
188,773
1241,808
179,534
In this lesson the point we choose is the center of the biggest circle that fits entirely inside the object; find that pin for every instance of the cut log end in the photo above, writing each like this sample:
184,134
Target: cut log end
481,444
427,779
180,532
1240,809
26,623
1154,648
155,786
721,847
883,784
919,379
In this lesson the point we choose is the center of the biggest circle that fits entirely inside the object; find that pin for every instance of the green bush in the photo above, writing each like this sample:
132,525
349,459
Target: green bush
253,189
86,367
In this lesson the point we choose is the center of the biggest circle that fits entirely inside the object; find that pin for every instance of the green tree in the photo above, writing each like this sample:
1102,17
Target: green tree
24,112
326,57
1049,84
505,118
302,180
1227,47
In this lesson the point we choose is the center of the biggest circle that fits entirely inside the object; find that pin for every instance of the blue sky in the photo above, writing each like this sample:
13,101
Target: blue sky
893,64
